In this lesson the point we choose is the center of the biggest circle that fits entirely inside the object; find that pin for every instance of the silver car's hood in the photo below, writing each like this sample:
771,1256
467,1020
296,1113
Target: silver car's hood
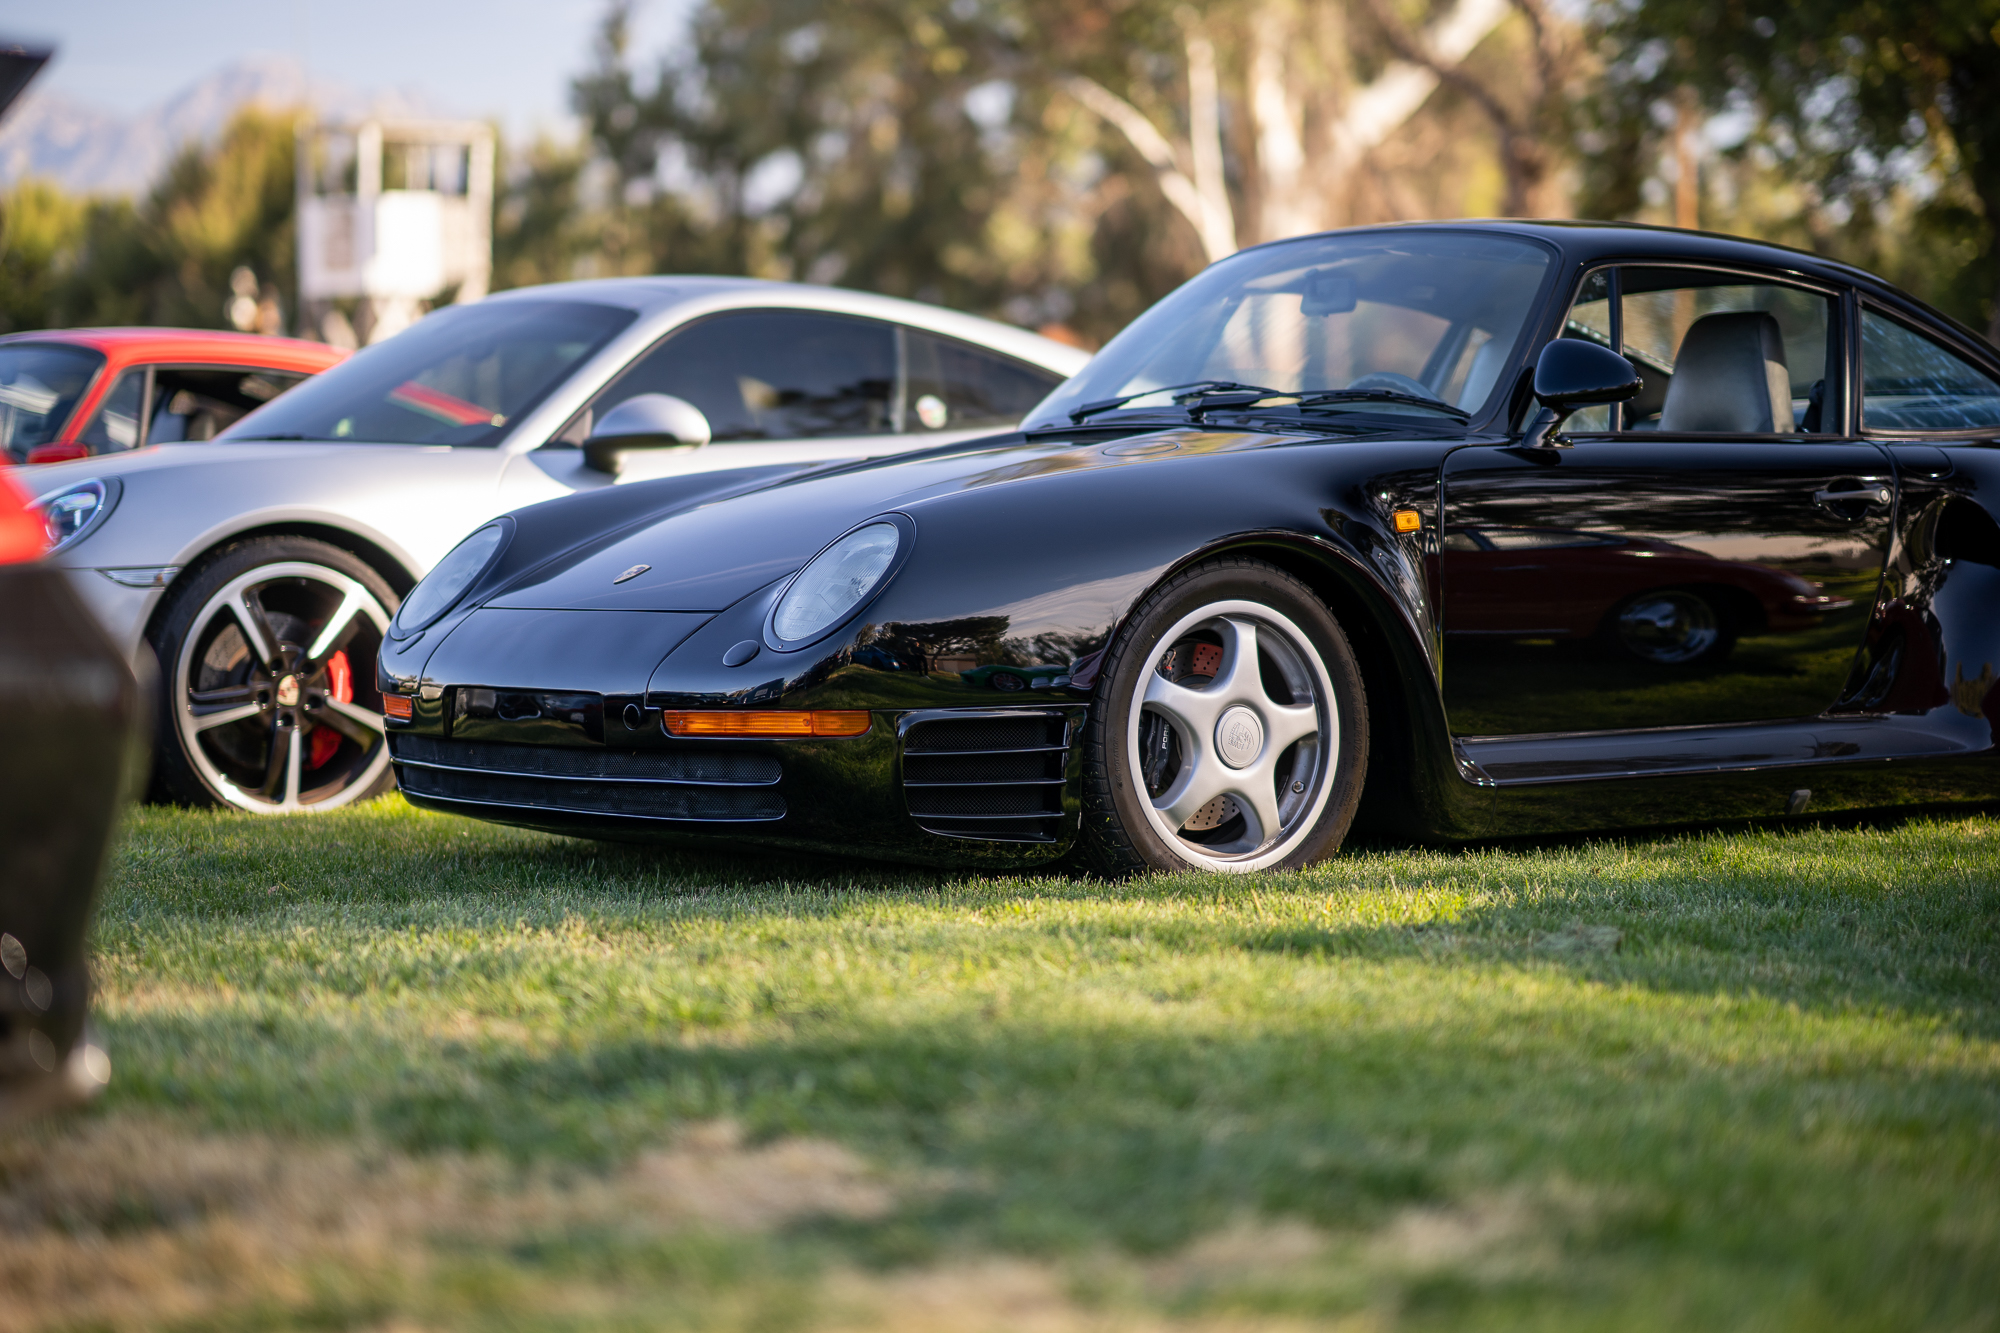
178,499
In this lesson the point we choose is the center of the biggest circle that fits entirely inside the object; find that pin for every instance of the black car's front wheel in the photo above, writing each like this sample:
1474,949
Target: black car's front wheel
267,661
1230,728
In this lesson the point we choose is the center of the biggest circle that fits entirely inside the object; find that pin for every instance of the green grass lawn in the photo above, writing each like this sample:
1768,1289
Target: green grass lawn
393,1071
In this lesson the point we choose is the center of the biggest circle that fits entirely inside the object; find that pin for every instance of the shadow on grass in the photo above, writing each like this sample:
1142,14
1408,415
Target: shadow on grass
1058,1137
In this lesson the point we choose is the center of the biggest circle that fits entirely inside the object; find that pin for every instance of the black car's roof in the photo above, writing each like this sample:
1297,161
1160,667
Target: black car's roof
1585,242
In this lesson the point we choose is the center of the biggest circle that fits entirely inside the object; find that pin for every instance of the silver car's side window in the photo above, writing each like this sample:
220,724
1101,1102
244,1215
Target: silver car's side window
950,385
770,375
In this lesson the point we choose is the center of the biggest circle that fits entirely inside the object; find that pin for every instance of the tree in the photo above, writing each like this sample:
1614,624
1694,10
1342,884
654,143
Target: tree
167,260
790,142
1279,103
1889,112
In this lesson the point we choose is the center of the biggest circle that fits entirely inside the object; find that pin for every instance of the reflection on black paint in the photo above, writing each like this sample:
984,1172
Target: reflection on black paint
1669,584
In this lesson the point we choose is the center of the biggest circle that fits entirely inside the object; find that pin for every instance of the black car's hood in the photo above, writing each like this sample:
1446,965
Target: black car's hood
709,557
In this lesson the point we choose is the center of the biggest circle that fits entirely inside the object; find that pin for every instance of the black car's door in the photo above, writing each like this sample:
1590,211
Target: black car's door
1707,554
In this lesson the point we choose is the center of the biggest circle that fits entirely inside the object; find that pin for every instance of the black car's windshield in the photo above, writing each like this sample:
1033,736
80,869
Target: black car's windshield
457,376
1386,322
39,386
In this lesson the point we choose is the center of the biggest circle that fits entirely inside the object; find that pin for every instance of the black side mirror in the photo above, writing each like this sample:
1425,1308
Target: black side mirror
1572,374
644,421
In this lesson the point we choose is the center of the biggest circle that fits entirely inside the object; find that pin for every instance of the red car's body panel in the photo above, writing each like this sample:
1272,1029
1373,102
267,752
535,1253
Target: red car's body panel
123,349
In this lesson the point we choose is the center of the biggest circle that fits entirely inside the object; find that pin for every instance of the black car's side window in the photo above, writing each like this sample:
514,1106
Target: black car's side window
1909,382
951,386
772,375
1717,353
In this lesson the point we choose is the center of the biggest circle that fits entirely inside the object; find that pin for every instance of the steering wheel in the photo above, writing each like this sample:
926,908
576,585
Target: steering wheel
1389,379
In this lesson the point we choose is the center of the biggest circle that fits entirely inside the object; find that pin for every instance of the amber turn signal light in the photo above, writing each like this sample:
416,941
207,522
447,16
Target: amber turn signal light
399,706
824,722
1408,520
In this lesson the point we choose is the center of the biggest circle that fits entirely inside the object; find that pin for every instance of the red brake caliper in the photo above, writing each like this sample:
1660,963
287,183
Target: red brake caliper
339,685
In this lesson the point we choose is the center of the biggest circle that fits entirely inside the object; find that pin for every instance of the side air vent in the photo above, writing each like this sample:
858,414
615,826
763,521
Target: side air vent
995,777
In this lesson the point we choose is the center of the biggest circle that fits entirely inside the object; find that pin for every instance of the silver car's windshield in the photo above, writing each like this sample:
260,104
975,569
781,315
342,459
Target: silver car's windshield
1389,320
457,376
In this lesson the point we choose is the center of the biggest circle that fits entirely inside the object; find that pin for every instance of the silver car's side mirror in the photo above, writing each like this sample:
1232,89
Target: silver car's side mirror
644,421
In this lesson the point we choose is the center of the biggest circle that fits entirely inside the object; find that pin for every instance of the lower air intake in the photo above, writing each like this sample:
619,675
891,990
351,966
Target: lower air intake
720,788
994,777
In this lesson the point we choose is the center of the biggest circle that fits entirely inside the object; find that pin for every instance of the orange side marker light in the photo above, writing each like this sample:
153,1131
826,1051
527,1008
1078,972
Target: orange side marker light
823,722
399,706
1408,520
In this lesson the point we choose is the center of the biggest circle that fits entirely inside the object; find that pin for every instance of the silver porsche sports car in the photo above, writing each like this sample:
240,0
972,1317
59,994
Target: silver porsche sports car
261,568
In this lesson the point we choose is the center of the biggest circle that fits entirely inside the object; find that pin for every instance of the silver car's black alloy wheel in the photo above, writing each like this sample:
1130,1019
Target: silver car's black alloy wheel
267,660
1229,731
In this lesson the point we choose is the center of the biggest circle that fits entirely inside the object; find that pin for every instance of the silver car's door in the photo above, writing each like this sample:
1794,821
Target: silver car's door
799,386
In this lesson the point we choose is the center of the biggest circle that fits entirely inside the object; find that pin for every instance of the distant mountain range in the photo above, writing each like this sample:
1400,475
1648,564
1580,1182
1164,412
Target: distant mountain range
88,150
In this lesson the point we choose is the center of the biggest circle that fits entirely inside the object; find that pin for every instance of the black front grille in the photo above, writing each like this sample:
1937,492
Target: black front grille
552,762
982,733
655,785
996,779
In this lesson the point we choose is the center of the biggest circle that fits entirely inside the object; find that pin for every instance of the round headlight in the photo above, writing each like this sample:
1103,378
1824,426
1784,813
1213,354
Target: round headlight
448,580
74,512
837,581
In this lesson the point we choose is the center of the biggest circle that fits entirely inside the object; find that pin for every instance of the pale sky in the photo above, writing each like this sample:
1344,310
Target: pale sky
510,59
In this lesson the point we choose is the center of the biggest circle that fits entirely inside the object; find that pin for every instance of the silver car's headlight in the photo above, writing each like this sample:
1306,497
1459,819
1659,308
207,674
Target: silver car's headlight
450,577
77,510
837,581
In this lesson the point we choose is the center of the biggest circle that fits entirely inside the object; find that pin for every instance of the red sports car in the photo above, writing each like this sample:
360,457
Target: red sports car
72,393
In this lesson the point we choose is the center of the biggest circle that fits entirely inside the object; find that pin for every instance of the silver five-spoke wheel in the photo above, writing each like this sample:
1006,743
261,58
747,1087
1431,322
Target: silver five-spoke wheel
269,666
1230,731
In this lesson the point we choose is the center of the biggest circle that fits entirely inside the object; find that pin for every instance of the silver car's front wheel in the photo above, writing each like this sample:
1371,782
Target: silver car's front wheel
268,659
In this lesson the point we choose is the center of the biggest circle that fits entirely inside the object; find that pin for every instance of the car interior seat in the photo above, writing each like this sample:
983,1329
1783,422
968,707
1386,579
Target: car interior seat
1730,377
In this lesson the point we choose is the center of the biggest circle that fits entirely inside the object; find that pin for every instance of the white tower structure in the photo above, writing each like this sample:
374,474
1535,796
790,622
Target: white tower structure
394,217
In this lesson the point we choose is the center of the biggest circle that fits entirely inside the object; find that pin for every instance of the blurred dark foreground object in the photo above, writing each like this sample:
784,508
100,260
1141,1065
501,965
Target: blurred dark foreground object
18,64
70,742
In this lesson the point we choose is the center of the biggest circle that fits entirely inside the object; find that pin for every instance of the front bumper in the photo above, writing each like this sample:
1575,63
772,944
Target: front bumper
987,786
123,611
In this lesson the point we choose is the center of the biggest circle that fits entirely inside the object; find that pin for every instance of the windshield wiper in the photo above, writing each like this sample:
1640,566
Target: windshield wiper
268,437
1183,393
1336,397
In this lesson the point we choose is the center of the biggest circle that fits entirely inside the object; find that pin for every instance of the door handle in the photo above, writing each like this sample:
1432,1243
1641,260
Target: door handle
1874,495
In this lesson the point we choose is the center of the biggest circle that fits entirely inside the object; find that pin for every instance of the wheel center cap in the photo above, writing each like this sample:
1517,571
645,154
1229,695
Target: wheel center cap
288,692
1239,737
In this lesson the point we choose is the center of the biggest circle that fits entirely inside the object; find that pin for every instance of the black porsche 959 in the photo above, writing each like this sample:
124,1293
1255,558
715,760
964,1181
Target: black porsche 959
1439,530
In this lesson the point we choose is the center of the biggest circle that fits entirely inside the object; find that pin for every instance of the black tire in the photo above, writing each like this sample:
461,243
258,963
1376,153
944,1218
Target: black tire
244,728
1139,749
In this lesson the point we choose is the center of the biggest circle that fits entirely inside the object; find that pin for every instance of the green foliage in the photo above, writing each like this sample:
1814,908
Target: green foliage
1732,1080
540,230
896,147
166,260
1876,126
